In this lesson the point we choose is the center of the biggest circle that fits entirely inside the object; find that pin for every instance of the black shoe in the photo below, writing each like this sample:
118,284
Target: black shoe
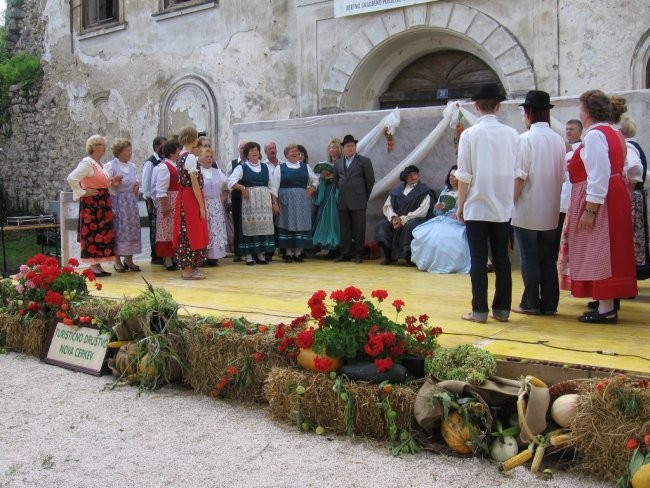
157,261
249,263
117,270
212,263
299,259
237,259
261,261
357,259
342,259
594,305
409,264
386,262
170,268
593,317
288,258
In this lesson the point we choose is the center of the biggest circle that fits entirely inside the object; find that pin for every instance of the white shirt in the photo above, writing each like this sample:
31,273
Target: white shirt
160,180
487,155
147,173
276,175
229,166
595,156
633,166
419,212
191,163
238,173
565,196
541,165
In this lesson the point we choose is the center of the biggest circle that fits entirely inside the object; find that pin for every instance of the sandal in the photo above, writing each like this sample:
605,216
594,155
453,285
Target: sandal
594,317
119,269
196,275
525,311
132,266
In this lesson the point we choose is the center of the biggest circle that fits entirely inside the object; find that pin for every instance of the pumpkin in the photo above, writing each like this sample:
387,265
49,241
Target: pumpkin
503,448
126,359
641,478
146,369
457,434
564,408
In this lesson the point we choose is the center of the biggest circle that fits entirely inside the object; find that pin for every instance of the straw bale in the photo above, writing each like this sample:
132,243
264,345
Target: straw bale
602,430
319,405
34,335
12,329
207,353
107,311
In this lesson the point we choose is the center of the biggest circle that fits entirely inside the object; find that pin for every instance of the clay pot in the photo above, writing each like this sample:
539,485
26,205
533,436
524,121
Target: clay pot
306,358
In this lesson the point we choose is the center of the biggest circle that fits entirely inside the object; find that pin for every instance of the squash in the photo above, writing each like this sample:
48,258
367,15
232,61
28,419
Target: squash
641,478
503,448
457,434
306,358
564,408
146,369
126,359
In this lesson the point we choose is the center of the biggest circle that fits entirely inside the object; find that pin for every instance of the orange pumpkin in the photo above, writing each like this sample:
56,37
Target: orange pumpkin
146,369
457,434
306,358
126,359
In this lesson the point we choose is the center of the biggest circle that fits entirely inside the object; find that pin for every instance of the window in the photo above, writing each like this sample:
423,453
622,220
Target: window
99,12
174,3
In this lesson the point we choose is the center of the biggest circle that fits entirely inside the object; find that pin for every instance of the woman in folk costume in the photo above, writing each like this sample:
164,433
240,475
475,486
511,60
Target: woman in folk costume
165,193
259,203
601,251
90,185
215,192
326,227
190,238
295,183
126,216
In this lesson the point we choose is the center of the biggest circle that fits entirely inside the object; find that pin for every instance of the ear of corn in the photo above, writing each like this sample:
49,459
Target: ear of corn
561,439
537,459
517,460
535,381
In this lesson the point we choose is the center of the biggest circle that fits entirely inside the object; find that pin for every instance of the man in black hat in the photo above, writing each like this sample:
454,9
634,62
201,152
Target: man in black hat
487,155
355,178
408,205
538,185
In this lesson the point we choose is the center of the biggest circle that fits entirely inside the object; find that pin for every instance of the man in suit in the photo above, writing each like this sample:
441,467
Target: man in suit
354,176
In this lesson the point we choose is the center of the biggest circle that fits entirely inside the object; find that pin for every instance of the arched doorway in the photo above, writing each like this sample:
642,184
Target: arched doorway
437,77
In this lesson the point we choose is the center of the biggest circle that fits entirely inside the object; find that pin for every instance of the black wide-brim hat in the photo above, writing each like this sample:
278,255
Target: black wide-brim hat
489,91
537,99
348,138
409,169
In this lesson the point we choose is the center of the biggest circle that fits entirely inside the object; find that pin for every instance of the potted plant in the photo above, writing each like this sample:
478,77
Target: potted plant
353,328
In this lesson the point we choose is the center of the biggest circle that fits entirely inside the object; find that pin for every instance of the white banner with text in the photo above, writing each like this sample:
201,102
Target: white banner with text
353,7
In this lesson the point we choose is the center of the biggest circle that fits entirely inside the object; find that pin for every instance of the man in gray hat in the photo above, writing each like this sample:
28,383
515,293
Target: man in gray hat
408,205
355,178
487,154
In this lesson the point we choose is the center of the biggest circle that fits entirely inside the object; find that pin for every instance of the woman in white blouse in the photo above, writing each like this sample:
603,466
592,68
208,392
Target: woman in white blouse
125,206
295,184
216,193
90,185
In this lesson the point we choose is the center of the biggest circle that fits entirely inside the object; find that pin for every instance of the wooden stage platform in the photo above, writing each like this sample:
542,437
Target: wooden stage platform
279,292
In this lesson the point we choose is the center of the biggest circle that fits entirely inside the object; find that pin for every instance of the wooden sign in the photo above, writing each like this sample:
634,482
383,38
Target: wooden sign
77,347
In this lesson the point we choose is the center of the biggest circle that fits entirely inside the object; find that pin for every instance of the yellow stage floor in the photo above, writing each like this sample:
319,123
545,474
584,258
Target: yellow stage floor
279,291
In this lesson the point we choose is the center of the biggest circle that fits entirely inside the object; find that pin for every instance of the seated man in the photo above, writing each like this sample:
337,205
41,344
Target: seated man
408,205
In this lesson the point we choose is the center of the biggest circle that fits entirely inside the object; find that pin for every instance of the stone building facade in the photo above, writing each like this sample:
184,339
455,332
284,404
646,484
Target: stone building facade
138,68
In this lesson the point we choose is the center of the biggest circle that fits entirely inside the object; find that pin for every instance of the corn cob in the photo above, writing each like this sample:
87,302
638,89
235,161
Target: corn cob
537,459
561,439
517,460
117,344
535,381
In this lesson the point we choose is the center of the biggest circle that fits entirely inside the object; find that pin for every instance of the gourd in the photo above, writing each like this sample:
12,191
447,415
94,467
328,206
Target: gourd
146,369
457,434
306,358
641,478
503,448
564,408
126,359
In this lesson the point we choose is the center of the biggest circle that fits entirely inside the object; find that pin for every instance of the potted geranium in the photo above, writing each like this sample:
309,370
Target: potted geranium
351,327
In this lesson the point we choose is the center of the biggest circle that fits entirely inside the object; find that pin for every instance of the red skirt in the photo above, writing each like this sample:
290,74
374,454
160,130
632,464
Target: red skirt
602,259
95,232
188,222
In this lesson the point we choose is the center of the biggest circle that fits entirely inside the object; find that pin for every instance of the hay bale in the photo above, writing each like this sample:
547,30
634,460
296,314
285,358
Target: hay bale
105,310
602,429
12,330
320,405
207,353
34,335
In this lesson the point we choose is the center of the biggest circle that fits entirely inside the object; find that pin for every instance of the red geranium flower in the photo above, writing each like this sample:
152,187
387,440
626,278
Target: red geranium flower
280,331
317,297
380,295
374,346
231,371
318,310
338,296
53,298
322,364
258,356
305,338
383,365
359,311
399,305
352,294
424,318
98,285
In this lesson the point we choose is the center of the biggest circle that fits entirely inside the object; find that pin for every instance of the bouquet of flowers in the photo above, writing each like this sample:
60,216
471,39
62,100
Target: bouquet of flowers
42,287
353,327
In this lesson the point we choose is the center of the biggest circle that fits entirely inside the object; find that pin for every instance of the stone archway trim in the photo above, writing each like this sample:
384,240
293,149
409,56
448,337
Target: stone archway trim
639,61
492,38
179,83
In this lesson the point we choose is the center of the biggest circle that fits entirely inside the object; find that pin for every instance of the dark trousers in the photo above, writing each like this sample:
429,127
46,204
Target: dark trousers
151,213
538,269
353,228
235,208
497,234
558,233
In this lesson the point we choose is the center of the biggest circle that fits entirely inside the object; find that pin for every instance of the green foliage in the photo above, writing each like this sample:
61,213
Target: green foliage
22,69
464,363
4,55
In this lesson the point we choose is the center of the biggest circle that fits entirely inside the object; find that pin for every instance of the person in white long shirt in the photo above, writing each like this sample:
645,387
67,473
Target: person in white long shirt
407,206
538,185
236,199
487,155
146,188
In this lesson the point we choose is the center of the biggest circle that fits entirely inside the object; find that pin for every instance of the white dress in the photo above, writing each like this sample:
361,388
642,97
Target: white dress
214,183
